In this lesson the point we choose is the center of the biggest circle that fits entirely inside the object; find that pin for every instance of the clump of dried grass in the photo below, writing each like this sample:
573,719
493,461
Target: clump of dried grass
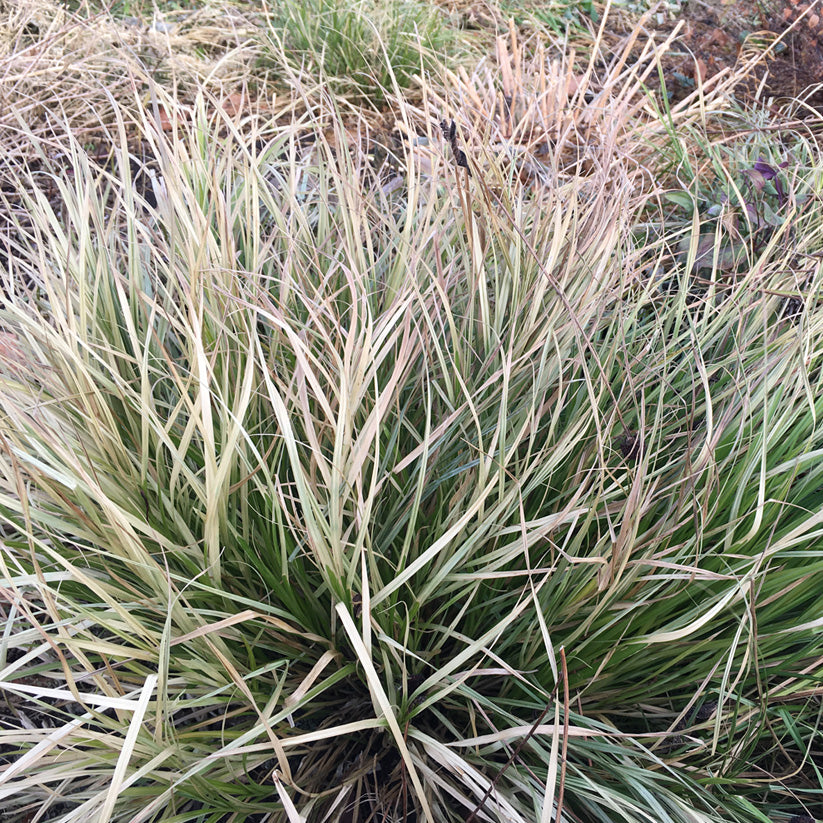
59,69
557,114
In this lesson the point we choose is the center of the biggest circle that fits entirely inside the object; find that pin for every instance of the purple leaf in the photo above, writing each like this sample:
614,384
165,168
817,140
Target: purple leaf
757,177
762,171
768,172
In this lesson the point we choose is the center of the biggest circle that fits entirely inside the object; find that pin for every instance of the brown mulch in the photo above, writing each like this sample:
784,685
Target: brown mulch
785,37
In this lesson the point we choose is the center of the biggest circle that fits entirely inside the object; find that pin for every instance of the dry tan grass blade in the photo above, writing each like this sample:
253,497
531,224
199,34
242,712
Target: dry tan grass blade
553,117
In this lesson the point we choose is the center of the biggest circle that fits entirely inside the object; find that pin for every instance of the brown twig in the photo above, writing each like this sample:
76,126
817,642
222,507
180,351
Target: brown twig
565,733
473,816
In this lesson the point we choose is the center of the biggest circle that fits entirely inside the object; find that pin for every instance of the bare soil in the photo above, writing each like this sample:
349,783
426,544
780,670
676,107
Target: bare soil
723,34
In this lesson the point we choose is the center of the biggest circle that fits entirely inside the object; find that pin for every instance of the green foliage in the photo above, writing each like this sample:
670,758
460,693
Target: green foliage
557,16
735,197
316,493
361,49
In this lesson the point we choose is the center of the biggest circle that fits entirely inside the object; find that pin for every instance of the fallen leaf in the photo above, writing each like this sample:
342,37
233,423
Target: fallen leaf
233,104
718,37
166,123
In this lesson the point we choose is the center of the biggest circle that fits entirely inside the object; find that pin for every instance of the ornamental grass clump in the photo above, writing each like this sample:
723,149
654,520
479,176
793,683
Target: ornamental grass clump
331,498
360,49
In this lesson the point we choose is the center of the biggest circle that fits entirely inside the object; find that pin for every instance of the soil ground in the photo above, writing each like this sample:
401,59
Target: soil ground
717,34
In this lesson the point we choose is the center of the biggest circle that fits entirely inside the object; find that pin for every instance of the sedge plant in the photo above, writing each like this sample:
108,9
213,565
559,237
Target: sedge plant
325,499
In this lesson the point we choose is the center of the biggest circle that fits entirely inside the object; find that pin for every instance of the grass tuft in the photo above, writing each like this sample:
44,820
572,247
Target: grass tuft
360,49
333,492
